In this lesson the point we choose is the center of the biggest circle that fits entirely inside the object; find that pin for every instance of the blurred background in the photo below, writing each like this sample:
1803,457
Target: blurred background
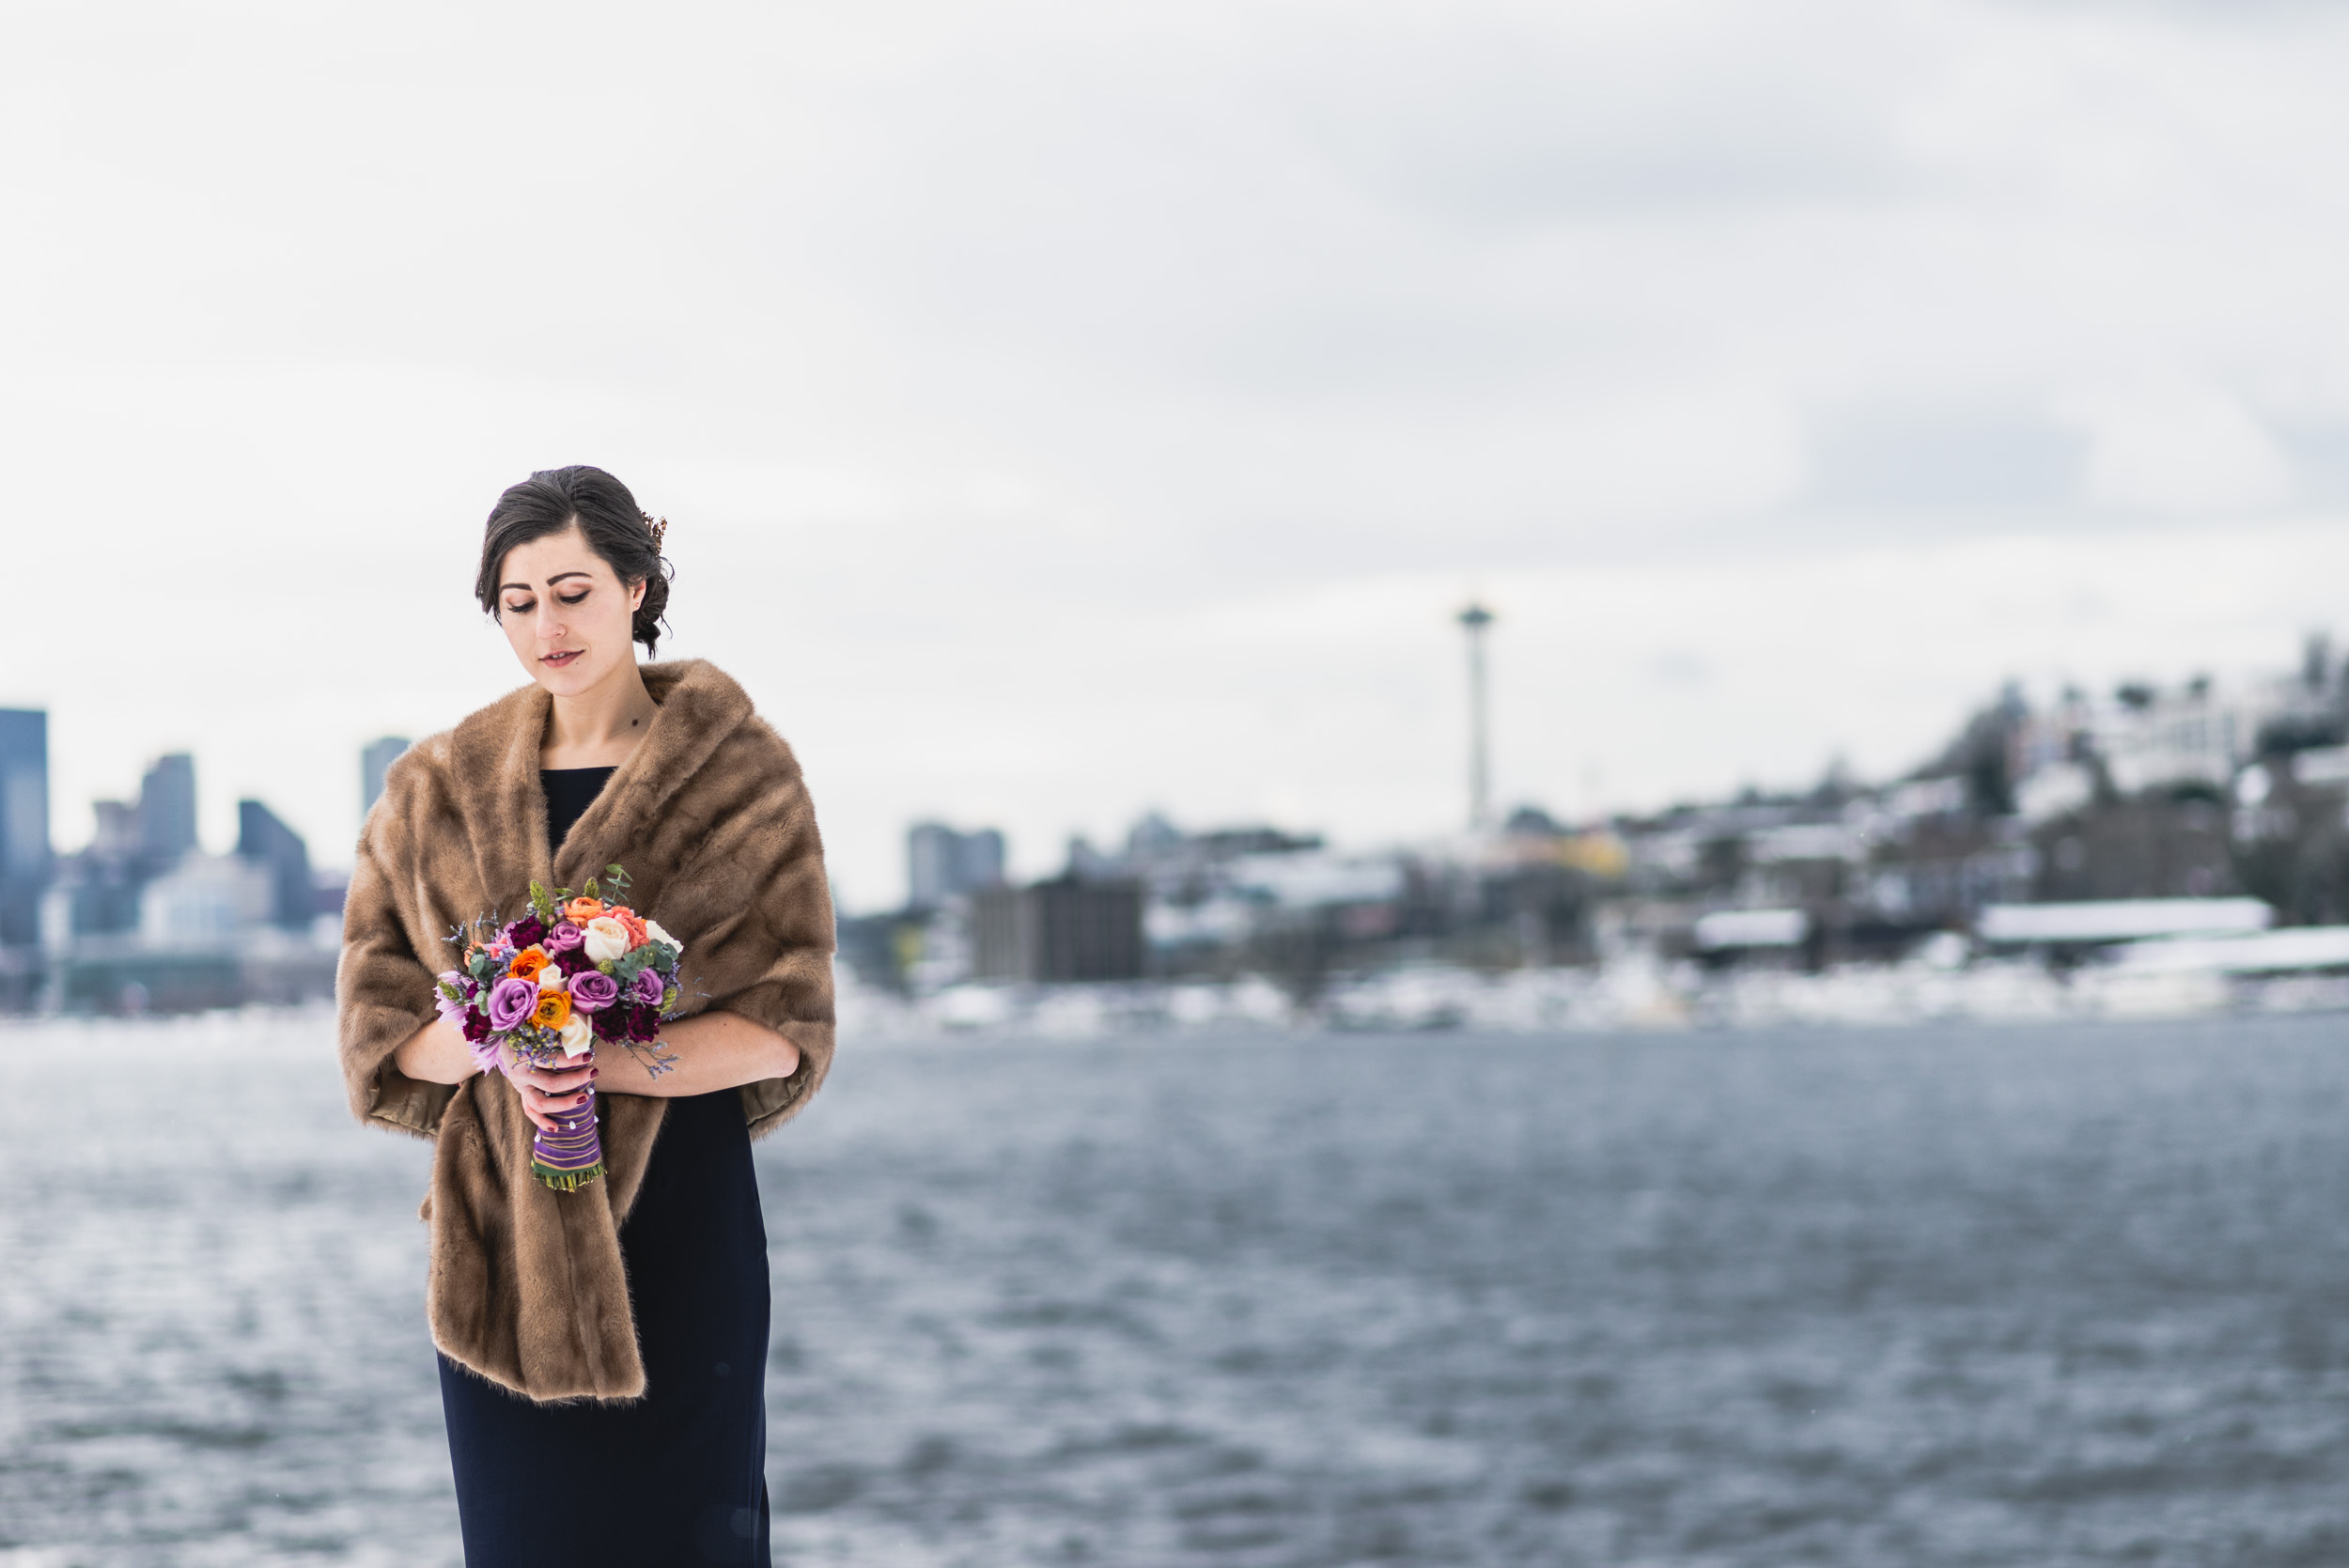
1269,526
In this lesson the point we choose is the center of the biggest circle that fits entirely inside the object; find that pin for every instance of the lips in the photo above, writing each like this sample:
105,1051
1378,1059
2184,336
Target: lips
559,659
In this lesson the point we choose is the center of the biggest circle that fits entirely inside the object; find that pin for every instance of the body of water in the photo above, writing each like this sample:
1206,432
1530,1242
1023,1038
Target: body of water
1920,1296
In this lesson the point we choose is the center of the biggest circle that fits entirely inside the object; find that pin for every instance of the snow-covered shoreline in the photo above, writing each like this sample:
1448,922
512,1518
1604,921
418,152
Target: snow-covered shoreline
1629,994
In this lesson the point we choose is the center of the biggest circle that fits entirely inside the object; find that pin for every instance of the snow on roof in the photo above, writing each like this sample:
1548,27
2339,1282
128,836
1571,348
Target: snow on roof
2300,947
2123,919
1724,929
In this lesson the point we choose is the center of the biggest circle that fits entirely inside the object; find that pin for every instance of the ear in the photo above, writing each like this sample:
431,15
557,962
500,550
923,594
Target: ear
636,596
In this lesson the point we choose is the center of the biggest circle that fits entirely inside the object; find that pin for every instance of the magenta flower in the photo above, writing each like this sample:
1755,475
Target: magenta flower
510,1002
647,990
592,991
562,938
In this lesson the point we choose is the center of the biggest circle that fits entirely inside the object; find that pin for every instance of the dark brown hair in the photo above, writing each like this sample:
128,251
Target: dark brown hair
606,515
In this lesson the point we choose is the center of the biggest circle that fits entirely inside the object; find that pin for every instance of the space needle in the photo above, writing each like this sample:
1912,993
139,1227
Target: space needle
1473,620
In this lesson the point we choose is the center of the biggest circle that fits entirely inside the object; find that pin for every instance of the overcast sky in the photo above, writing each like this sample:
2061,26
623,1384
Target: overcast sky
1068,410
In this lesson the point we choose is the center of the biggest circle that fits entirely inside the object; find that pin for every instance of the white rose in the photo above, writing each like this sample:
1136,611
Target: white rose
607,939
652,929
552,979
576,1037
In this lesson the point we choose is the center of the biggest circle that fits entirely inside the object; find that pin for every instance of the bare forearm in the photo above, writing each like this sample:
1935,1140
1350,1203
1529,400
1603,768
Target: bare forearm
437,1053
714,1050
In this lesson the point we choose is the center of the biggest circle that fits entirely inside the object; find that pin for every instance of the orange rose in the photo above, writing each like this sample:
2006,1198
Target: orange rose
636,927
553,1010
579,911
527,963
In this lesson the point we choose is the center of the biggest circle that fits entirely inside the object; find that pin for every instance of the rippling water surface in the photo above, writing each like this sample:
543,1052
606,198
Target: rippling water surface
2076,1296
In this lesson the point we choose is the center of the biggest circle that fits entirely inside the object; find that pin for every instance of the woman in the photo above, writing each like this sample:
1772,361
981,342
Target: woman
602,1351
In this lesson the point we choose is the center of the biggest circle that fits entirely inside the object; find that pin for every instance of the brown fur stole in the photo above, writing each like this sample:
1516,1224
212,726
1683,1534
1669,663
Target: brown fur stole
710,819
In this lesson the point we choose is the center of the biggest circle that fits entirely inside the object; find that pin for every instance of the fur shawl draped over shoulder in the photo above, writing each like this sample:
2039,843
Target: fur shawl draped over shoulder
710,817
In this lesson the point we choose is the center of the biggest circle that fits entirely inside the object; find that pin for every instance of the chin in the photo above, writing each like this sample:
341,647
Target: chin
570,679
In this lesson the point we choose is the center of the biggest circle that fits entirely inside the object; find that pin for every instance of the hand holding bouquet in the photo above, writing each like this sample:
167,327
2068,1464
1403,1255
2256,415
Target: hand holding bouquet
544,988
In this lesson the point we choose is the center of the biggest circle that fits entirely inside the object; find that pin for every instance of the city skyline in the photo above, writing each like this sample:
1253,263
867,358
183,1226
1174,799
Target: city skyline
1004,856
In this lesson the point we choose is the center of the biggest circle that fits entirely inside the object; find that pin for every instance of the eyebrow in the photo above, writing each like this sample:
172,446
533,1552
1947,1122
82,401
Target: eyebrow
551,581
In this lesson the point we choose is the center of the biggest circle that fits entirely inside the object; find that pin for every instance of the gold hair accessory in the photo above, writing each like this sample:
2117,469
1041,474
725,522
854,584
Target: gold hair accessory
658,526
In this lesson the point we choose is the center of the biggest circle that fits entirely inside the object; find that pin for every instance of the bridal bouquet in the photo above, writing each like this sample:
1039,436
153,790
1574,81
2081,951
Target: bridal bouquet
572,971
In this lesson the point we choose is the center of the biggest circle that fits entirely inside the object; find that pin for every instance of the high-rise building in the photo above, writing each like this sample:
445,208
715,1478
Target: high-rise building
941,863
167,810
117,836
278,851
982,860
23,822
374,763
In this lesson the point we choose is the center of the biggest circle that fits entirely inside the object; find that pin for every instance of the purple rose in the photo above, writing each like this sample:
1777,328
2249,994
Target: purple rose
563,938
647,988
511,1001
592,991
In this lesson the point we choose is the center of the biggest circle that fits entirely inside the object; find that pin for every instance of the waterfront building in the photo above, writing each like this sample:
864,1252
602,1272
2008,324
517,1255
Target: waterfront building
2181,738
23,823
265,841
92,897
374,762
207,902
1058,931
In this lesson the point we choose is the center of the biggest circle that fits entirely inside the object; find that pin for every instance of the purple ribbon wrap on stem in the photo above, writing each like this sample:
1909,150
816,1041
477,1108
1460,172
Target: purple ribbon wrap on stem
572,1156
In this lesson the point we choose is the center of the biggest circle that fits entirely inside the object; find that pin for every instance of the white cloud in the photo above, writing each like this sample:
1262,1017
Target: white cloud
984,358
2169,444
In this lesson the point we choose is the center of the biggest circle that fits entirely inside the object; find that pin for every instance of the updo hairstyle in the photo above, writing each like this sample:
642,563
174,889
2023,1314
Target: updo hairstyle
606,515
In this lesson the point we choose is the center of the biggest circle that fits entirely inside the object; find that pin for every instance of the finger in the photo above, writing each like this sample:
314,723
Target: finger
548,1107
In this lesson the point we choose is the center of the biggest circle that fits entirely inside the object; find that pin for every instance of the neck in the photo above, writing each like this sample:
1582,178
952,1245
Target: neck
599,726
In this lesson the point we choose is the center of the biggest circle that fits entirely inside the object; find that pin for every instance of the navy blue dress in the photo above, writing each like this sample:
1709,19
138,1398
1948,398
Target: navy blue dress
679,1476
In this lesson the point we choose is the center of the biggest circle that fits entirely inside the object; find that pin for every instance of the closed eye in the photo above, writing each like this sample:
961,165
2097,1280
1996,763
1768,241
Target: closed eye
523,607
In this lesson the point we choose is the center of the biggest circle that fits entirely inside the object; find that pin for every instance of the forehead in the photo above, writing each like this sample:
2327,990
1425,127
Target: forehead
541,559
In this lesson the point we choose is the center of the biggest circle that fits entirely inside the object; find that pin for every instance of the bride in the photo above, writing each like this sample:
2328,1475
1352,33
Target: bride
602,1351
